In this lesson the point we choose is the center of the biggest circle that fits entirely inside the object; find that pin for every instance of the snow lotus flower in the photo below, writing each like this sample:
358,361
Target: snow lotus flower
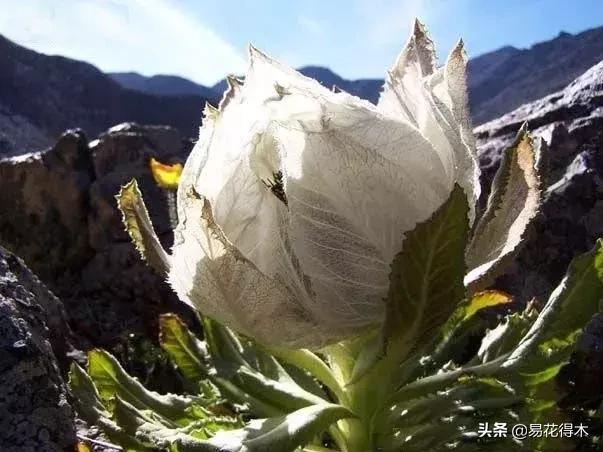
295,199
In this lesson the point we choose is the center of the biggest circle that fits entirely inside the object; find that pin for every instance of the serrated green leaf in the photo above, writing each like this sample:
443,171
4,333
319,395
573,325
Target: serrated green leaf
147,430
239,367
311,363
506,336
306,381
444,379
112,380
286,396
451,344
437,420
137,222
550,340
527,354
89,406
284,433
188,353
512,205
465,395
426,281
235,394
83,388
225,347
568,310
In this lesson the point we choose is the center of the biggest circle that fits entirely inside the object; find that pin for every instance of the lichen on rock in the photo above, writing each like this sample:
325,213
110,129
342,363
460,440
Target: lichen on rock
35,414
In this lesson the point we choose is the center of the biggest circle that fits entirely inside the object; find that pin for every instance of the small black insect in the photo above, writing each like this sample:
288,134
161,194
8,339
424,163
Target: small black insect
277,188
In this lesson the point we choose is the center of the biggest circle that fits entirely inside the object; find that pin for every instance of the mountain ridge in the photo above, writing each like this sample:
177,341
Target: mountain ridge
49,94
42,95
498,81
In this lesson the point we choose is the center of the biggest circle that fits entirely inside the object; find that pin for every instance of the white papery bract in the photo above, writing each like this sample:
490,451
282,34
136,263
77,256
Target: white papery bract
295,199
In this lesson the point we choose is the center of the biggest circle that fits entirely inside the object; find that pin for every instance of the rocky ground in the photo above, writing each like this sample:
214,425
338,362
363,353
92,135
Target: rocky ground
59,215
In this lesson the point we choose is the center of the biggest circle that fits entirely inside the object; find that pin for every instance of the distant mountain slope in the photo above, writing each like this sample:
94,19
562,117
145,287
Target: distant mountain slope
498,81
162,85
368,89
41,95
365,88
503,80
49,94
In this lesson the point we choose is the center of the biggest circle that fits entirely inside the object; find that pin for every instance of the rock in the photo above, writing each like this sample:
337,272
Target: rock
571,121
34,411
61,217
119,289
123,153
44,200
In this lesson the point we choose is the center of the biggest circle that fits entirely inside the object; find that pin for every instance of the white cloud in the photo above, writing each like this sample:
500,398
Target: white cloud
148,36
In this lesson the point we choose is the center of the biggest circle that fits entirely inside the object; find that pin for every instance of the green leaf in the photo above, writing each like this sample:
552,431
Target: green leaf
435,420
371,352
239,374
551,339
526,354
306,381
549,342
284,433
283,395
89,406
512,205
187,352
111,380
311,363
152,433
236,394
224,346
138,225
426,281
450,345
503,339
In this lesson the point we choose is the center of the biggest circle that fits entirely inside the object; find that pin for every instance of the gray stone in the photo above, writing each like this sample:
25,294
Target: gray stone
34,411
44,205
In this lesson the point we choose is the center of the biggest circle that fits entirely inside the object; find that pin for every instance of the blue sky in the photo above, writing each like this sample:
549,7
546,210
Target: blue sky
205,39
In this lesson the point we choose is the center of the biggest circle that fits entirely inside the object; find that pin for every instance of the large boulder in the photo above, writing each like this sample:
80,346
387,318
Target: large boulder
44,204
35,414
60,216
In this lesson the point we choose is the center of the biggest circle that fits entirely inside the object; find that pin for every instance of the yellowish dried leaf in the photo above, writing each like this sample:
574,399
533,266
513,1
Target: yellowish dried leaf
486,299
165,175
